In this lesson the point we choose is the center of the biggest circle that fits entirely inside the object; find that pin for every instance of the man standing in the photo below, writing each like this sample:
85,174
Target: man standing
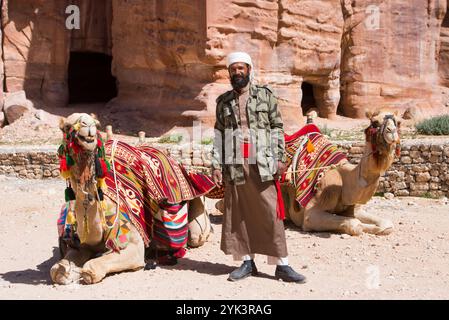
249,158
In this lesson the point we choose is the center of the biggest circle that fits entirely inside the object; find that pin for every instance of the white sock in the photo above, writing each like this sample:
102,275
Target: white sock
282,261
277,261
244,258
248,257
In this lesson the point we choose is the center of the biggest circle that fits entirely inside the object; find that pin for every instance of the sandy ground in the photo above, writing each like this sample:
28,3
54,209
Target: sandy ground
411,263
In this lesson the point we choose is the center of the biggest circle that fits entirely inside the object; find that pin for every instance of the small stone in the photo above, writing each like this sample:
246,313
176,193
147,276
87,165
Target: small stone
389,196
423,177
406,160
402,193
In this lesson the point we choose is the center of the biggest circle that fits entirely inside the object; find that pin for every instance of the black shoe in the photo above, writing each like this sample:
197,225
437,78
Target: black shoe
247,268
287,274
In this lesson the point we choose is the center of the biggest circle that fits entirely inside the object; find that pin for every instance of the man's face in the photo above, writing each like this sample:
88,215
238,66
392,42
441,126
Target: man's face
239,68
239,73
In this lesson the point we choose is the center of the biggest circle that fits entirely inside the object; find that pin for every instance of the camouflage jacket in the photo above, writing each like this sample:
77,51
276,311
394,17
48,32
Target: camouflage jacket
266,132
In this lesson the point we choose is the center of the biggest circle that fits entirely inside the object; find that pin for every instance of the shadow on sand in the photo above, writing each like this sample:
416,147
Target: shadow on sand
33,276
209,268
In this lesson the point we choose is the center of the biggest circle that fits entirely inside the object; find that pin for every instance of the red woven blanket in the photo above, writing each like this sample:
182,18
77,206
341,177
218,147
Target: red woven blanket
306,150
147,180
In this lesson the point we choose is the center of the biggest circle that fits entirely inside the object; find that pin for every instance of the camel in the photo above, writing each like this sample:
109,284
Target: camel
91,260
337,205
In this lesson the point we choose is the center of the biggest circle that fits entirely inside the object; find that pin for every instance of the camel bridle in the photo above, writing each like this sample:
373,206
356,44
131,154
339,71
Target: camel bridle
375,135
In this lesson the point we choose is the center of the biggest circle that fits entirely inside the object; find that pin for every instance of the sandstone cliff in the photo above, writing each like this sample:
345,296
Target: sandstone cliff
168,57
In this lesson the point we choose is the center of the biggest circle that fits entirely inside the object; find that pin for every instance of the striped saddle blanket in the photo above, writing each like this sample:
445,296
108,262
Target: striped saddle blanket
152,191
309,155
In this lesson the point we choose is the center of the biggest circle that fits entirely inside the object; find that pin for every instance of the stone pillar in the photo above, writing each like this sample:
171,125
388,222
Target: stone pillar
388,59
55,87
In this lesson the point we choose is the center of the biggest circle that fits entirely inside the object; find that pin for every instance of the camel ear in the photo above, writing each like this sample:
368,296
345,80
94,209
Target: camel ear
97,122
370,114
63,125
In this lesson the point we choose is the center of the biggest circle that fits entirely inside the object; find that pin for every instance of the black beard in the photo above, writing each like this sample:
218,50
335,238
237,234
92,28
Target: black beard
239,82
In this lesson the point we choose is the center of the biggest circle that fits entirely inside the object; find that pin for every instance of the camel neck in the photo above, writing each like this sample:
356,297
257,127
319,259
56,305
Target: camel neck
368,173
372,165
88,213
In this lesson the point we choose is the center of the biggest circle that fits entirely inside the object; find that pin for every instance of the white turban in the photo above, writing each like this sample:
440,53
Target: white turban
239,57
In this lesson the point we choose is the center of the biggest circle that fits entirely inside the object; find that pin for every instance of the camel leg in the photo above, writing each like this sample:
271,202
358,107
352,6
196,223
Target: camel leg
316,219
130,258
199,223
68,270
372,223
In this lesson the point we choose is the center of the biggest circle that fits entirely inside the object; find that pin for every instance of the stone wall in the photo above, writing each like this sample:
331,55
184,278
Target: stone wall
29,162
421,170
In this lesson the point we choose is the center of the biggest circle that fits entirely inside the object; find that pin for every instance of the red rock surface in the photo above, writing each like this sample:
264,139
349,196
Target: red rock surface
169,56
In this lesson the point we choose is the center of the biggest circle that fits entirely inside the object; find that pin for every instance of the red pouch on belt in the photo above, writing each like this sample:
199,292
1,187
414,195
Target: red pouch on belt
246,149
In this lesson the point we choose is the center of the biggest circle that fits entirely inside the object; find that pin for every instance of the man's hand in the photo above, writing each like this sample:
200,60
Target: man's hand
282,167
217,177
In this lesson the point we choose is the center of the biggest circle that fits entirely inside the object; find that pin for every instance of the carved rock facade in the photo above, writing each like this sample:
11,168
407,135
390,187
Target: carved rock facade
167,58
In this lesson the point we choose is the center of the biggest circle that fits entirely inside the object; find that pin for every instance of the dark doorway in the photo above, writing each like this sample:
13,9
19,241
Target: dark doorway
445,23
308,100
90,78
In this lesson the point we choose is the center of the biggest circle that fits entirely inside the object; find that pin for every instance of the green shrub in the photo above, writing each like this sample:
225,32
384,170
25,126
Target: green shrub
173,138
434,126
429,195
207,141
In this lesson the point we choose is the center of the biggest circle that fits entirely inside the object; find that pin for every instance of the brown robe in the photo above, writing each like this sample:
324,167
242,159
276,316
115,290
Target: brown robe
250,222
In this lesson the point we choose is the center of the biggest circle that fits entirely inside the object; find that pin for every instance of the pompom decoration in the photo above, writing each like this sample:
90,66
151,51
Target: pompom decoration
70,217
69,194
62,164
310,147
101,183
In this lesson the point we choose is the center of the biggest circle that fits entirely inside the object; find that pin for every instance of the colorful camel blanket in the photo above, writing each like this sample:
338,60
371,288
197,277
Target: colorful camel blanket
153,190
148,189
309,154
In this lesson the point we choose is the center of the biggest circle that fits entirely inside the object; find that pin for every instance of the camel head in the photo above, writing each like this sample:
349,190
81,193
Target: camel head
83,128
81,154
383,133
